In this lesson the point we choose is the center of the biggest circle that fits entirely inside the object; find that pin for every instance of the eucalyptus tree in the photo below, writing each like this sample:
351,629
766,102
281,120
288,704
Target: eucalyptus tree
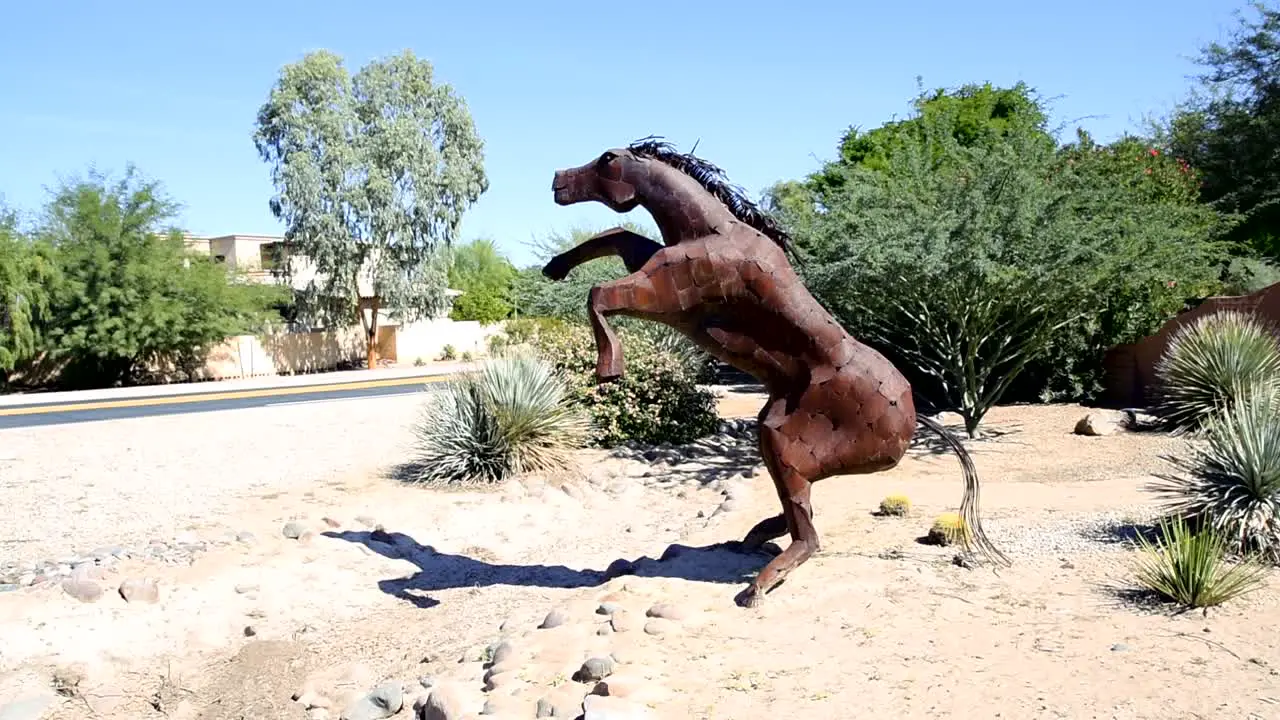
372,175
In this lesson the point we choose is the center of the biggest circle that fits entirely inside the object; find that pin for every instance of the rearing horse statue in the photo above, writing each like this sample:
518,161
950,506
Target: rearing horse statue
722,277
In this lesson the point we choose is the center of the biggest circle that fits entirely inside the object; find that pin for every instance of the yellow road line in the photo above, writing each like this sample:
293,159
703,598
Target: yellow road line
224,395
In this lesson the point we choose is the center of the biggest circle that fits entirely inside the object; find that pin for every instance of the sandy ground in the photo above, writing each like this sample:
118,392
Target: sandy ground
877,624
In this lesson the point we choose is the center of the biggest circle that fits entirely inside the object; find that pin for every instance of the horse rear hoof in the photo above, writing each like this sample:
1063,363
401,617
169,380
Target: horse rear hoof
750,597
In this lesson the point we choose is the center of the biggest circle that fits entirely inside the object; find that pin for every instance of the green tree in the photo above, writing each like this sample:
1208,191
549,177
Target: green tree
26,273
130,295
372,175
484,276
965,257
1230,126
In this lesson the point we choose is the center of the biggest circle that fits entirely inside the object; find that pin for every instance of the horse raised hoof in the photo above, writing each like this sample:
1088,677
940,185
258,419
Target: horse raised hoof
556,269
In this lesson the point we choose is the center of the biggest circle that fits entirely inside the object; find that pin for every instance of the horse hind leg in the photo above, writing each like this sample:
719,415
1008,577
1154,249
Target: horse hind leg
794,491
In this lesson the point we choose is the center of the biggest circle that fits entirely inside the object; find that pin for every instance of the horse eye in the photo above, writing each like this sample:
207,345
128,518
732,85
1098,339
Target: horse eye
607,157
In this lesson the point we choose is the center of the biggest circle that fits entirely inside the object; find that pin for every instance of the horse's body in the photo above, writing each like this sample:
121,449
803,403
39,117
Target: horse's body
836,406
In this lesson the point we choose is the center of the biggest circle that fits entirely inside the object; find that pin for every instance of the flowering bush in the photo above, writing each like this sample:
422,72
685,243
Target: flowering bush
656,400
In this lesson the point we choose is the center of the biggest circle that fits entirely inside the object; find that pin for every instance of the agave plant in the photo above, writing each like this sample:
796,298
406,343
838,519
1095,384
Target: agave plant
1230,479
1190,568
1208,363
509,417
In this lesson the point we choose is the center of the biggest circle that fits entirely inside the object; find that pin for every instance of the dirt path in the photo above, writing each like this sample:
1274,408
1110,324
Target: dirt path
876,623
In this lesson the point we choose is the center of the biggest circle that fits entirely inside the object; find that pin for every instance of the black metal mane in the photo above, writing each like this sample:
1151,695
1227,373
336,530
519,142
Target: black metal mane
714,181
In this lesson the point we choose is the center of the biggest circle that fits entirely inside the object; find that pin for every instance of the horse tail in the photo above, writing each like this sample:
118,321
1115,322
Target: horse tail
972,534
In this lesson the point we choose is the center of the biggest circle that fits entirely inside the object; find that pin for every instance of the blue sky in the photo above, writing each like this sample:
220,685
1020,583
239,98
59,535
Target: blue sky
766,92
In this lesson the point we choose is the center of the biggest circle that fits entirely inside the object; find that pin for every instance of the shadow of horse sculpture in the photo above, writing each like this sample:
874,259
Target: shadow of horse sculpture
725,563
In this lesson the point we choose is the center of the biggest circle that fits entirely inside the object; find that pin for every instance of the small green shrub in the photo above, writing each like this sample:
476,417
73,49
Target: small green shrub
656,400
1208,363
1189,568
1230,481
895,505
448,352
1245,275
468,356
419,362
511,416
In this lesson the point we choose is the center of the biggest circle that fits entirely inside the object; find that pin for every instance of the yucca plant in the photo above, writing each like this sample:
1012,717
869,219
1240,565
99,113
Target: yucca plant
1208,363
1230,479
1190,568
509,417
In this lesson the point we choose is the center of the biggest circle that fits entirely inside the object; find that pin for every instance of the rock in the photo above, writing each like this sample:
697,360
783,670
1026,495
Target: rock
442,703
608,608
604,629
617,686
618,568
667,611
82,589
1119,647
384,701
660,626
495,680
602,707
244,588
554,619
563,702
501,652
250,631
246,537
140,590
594,670
31,707
330,522
366,521
1094,425
293,530
624,620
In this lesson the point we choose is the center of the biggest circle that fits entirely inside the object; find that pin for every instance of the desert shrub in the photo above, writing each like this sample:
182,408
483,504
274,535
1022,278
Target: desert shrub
947,528
1190,568
895,505
448,352
656,400
511,416
1208,363
1246,275
1230,480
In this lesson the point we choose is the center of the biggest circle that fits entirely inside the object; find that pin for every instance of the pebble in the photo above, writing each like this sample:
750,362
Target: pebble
667,611
554,619
293,530
501,652
384,701
244,588
594,670
182,550
602,707
442,703
82,589
660,626
608,608
563,702
624,621
1119,647
140,590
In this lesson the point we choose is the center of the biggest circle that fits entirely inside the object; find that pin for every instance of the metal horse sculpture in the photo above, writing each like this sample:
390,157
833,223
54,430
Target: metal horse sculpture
722,277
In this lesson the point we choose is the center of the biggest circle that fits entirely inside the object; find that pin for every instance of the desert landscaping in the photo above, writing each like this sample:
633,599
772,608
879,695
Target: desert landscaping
300,592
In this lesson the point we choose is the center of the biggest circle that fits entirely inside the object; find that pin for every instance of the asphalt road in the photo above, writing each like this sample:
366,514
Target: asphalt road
96,410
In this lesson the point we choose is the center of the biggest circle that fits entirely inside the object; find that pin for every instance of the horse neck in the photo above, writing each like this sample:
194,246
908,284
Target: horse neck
682,208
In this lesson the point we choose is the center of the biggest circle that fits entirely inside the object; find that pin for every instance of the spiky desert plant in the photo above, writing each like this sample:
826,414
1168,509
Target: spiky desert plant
948,528
510,416
895,505
1230,479
1208,362
1190,568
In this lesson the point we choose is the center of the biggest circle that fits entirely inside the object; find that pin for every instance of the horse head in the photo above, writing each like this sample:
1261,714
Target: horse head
610,179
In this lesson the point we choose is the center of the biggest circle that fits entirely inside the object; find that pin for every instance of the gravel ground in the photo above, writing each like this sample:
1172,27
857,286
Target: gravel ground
68,489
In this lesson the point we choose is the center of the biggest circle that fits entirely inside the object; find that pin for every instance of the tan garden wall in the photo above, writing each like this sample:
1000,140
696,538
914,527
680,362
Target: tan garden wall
1130,369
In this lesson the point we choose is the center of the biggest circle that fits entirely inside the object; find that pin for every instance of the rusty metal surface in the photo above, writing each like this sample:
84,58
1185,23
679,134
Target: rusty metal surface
722,276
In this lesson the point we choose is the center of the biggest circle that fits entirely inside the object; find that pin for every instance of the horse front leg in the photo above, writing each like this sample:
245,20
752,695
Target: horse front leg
634,249
633,296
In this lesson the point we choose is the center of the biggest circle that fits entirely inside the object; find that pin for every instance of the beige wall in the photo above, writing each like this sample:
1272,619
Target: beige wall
290,353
